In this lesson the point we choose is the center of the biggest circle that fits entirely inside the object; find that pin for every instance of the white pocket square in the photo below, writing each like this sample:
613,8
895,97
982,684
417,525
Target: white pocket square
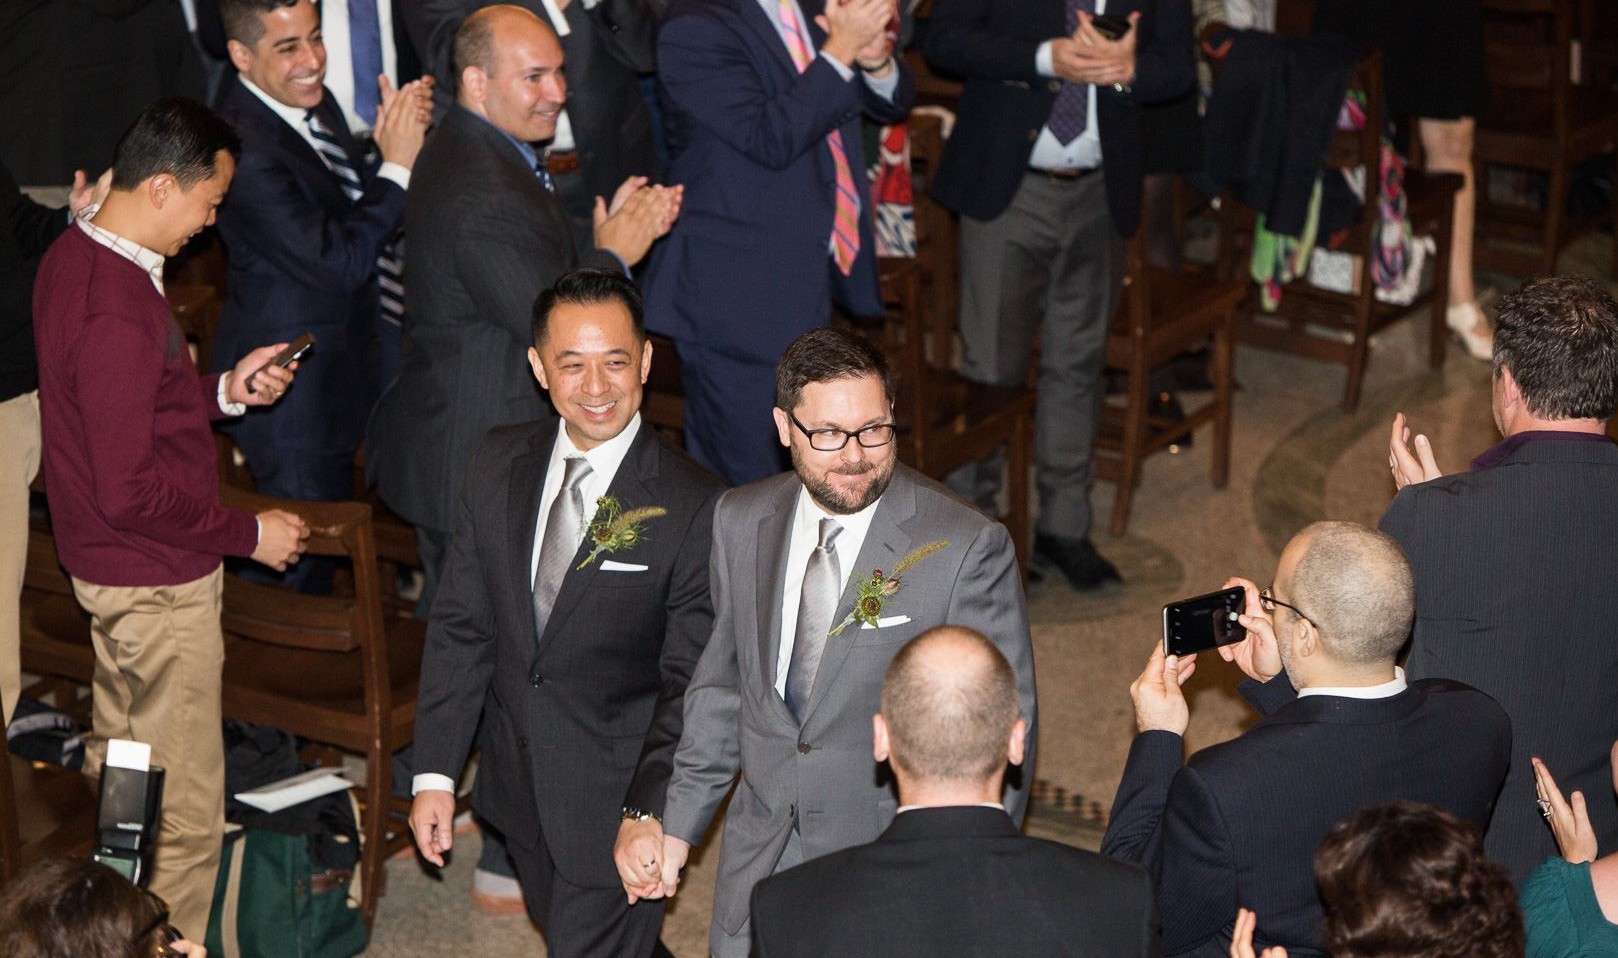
886,621
608,565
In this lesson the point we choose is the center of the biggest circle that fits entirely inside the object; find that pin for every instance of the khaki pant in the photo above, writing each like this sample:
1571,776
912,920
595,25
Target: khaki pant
159,656
19,463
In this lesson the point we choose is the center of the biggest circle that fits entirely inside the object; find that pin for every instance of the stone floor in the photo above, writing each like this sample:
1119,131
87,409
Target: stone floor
1296,458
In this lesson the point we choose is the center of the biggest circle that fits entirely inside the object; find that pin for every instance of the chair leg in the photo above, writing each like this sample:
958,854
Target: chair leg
1134,441
1438,313
378,786
1615,219
1020,518
1555,214
1224,394
1364,304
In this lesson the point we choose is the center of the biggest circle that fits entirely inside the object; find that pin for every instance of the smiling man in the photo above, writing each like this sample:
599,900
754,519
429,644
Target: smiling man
307,218
574,646
778,698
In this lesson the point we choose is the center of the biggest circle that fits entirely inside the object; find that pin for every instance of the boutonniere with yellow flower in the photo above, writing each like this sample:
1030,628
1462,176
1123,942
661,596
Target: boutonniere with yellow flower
613,529
878,588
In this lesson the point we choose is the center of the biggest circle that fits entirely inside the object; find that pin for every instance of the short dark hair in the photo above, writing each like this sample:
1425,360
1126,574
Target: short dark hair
951,724
242,18
588,286
1559,337
173,135
1409,880
78,907
824,355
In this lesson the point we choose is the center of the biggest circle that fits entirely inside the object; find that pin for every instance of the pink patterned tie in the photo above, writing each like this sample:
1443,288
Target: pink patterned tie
845,227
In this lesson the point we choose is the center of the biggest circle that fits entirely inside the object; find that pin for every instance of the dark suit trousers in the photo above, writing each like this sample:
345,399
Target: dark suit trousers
1052,257
581,922
728,424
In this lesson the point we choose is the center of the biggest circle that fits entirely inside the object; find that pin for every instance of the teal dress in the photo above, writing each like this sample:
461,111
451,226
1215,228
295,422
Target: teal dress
1562,915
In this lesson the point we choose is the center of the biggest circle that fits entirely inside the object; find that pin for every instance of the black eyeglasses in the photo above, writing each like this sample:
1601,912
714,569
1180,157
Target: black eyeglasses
831,440
1267,601
159,926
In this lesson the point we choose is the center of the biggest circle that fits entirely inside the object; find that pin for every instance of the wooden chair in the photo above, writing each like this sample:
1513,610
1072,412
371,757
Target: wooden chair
45,812
1337,327
331,669
663,401
55,631
1538,119
937,240
1162,314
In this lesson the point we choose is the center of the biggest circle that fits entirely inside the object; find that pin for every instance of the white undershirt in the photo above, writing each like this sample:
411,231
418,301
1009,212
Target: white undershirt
1385,690
805,537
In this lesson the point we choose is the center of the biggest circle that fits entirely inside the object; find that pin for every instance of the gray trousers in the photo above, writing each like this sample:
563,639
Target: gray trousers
1052,257
740,945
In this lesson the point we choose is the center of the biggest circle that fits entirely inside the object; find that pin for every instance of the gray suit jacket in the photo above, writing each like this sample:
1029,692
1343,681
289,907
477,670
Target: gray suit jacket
820,776
485,239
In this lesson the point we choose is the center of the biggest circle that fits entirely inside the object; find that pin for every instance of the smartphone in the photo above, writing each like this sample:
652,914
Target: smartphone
284,358
1203,622
1110,26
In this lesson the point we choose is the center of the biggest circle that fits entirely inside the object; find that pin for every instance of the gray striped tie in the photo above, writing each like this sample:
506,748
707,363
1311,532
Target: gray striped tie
817,603
389,263
564,528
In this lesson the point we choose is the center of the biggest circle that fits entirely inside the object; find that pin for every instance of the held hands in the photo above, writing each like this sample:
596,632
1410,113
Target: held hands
638,216
639,856
1159,703
1089,57
254,382
1241,939
1257,655
1409,465
432,822
282,537
1575,838
857,32
402,120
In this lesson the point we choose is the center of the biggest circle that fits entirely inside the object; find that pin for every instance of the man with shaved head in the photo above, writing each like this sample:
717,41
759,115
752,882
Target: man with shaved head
952,872
1238,825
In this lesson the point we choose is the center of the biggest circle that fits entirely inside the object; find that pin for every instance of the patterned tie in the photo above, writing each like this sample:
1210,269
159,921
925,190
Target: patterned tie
564,529
544,174
817,603
1070,113
390,268
365,47
845,224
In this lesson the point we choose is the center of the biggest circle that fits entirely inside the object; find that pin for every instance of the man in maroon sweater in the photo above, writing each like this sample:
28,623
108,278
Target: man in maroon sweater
132,481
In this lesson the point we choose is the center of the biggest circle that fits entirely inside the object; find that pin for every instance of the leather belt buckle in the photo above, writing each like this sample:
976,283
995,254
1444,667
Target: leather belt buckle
559,163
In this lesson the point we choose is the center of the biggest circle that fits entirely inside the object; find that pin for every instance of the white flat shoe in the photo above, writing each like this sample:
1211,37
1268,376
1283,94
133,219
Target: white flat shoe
1469,324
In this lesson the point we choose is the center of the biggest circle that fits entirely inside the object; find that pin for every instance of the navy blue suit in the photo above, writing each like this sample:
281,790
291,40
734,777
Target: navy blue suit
303,259
747,267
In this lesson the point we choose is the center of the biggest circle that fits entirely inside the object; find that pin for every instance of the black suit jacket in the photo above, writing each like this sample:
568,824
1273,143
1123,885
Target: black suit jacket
485,239
955,881
27,231
582,720
1515,595
303,259
1239,824
991,44
609,47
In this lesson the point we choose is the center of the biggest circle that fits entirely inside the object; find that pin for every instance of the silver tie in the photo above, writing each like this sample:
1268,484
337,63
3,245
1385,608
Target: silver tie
564,528
817,603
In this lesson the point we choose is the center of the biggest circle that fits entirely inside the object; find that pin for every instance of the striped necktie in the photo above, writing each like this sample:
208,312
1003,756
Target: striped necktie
390,269
845,225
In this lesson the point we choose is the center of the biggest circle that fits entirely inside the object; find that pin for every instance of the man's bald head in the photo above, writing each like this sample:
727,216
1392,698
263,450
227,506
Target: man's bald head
508,70
949,700
1356,585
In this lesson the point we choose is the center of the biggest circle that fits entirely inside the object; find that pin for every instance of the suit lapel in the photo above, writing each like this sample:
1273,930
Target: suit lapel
759,22
886,542
775,528
522,511
300,154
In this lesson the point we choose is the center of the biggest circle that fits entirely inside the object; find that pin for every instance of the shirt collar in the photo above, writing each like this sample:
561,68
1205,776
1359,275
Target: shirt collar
1383,691
855,525
295,116
911,808
604,459
149,260
1502,450
529,154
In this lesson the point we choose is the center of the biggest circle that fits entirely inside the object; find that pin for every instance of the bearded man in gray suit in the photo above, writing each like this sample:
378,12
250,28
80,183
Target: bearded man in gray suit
806,621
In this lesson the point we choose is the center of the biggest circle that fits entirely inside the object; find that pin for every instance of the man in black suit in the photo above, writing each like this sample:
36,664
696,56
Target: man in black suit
573,638
1514,559
304,224
605,134
952,875
1238,825
1045,168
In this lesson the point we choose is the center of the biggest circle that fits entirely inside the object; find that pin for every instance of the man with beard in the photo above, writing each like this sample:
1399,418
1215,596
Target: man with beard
818,577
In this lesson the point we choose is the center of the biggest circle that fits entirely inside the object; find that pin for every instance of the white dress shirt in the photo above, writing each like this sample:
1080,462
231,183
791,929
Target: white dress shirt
1083,153
563,141
604,461
805,538
298,118
1385,690
340,55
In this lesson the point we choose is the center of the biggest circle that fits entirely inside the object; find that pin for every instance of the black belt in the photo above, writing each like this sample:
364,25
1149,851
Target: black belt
1067,175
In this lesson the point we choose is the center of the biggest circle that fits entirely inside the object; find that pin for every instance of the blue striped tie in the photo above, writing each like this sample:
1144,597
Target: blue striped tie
390,271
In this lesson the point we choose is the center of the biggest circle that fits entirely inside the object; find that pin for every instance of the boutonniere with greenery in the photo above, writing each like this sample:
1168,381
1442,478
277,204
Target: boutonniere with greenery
876,590
613,529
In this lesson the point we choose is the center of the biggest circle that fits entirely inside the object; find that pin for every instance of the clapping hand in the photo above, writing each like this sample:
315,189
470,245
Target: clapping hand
1089,57
1570,822
1241,940
638,215
1410,465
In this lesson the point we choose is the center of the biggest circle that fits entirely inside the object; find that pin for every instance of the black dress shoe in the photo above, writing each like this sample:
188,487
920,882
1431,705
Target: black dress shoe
1077,559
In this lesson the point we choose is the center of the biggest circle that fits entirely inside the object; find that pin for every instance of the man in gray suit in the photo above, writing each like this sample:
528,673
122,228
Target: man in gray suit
1514,559
818,577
